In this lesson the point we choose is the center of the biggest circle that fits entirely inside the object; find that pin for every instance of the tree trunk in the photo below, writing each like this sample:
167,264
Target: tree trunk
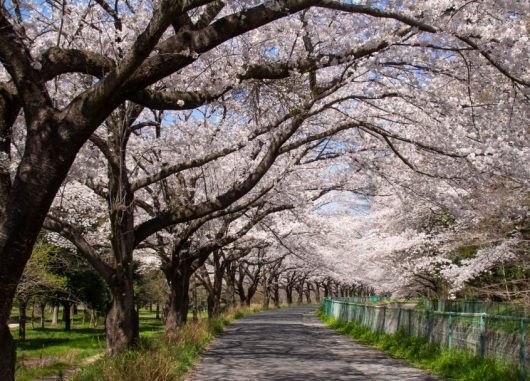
195,306
42,314
214,296
214,302
178,300
67,316
33,315
317,293
72,314
94,318
7,353
24,204
266,293
252,291
242,298
157,311
289,294
276,292
300,292
22,308
276,296
121,322
55,315
240,284
308,293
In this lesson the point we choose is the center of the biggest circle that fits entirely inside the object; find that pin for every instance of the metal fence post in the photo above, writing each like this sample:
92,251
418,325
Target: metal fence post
522,351
410,323
450,331
384,320
365,317
375,315
399,319
482,336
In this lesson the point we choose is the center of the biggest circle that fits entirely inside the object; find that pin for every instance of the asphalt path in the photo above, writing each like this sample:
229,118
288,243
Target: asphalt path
292,344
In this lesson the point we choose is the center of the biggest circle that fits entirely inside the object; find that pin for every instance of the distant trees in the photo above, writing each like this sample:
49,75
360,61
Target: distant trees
39,282
54,276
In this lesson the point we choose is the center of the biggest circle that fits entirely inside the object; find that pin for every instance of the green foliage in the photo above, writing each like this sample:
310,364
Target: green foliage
457,365
151,287
40,278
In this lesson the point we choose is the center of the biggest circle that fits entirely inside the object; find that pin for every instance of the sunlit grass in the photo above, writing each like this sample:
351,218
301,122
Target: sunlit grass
52,351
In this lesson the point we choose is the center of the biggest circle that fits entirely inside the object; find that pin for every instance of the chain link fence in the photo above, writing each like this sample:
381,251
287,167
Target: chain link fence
498,336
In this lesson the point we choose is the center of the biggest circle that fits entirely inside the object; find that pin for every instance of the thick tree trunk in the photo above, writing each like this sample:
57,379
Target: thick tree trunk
242,299
7,353
251,292
317,293
336,292
308,294
195,305
24,203
214,301
178,300
300,292
289,294
121,322
67,316
240,284
326,290
214,295
276,296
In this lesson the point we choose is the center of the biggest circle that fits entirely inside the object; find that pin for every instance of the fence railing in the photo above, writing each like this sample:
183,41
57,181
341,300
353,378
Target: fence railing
476,306
498,336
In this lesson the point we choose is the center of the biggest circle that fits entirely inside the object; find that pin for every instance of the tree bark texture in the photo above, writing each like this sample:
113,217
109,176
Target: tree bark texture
121,322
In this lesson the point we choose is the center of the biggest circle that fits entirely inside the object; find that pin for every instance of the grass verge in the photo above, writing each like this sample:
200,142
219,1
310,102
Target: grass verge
54,352
160,358
456,365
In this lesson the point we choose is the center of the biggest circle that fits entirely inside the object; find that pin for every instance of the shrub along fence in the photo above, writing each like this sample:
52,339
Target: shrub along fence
498,336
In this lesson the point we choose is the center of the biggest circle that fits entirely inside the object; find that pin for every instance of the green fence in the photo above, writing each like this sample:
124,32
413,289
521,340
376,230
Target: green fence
502,337
476,306
362,299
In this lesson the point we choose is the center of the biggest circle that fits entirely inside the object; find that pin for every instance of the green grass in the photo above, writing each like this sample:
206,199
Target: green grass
52,351
457,365
160,358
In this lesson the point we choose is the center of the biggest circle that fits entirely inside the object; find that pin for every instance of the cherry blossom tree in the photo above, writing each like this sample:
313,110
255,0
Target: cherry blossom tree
67,71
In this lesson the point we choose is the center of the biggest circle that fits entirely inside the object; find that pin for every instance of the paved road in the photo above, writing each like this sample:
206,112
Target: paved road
292,344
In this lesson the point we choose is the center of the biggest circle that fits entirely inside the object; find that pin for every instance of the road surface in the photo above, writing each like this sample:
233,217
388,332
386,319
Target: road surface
292,344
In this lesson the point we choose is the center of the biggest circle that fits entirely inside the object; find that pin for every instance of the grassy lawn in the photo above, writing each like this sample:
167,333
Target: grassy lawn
52,351
455,365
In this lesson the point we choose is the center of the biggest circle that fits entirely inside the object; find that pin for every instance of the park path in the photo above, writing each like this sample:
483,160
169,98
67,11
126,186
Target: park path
292,344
